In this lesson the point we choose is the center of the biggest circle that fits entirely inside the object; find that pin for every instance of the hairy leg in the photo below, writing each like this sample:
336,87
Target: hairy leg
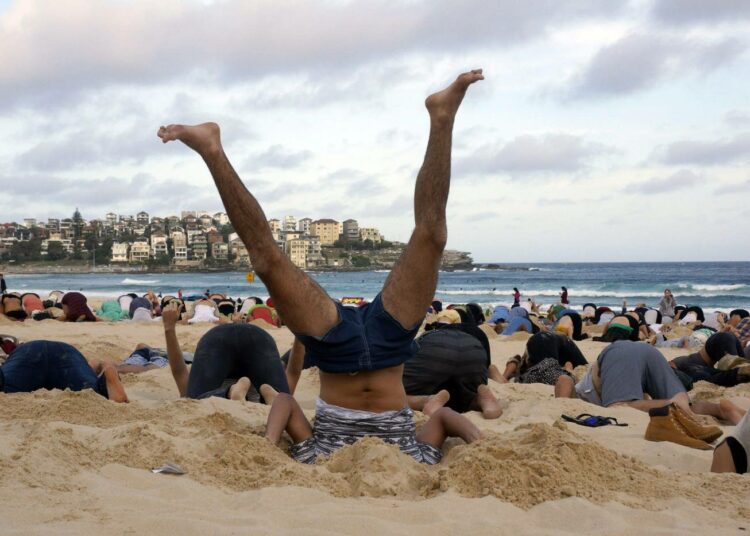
411,285
447,423
293,292
286,415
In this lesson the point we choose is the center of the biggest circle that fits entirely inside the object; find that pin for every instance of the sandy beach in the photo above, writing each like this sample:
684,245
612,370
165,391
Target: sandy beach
78,463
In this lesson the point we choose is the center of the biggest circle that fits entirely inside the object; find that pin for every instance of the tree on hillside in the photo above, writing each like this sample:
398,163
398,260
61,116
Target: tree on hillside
55,251
360,261
28,250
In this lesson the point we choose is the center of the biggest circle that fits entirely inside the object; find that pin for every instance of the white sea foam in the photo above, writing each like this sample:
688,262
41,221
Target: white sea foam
718,287
583,293
128,281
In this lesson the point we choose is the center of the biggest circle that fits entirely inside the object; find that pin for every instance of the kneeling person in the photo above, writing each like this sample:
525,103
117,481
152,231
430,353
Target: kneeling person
57,365
454,358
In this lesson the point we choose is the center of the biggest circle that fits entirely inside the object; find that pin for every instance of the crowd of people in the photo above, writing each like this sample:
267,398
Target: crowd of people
379,361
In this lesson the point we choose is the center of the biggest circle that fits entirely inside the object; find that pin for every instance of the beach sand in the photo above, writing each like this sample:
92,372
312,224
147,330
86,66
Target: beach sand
77,463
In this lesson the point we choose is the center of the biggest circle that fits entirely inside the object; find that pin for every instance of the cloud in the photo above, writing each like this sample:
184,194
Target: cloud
480,216
679,12
678,180
276,156
639,61
733,188
110,193
553,202
365,188
55,48
706,153
545,153
87,148
737,118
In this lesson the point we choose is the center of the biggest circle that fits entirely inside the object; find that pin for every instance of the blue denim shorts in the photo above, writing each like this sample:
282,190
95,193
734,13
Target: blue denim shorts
365,338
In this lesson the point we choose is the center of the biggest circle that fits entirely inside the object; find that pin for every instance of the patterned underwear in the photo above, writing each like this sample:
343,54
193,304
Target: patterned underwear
336,427
547,371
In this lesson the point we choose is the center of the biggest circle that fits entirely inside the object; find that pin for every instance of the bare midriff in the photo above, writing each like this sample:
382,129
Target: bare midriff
367,390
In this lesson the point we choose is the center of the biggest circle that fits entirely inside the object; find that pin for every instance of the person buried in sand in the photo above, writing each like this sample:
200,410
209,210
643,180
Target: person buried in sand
626,371
56,365
231,361
360,351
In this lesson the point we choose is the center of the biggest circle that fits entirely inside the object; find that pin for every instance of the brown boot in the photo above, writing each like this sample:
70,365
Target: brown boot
664,426
707,433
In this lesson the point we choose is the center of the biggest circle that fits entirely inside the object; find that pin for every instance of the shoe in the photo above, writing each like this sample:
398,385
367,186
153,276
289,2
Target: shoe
664,426
707,433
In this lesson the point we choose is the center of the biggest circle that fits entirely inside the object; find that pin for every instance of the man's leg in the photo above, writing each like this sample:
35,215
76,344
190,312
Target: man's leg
411,285
304,306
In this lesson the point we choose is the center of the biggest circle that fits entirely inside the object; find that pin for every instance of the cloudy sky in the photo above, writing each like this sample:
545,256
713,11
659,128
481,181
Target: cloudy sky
604,131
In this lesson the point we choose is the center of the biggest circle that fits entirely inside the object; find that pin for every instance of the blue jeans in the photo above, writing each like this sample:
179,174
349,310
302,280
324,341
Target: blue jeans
515,324
48,365
231,351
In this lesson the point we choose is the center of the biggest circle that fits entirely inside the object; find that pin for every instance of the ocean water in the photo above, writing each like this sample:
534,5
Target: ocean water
713,285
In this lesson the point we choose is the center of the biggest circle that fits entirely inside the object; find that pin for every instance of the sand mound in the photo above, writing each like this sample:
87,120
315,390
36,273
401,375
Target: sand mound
709,391
374,469
537,463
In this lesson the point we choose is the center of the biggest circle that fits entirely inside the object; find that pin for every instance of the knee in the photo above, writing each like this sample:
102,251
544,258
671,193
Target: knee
141,346
436,235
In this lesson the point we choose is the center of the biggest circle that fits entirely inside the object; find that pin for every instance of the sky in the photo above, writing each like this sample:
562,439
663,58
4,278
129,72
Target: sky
604,131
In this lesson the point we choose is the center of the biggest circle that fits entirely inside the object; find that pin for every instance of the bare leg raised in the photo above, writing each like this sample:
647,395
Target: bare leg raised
294,294
411,284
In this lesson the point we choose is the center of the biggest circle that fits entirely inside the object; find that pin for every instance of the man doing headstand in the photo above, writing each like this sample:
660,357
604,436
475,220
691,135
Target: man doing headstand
360,351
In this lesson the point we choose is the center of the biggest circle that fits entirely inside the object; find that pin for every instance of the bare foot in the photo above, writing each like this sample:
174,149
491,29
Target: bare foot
731,412
115,390
444,104
239,390
204,139
493,373
490,406
268,393
435,402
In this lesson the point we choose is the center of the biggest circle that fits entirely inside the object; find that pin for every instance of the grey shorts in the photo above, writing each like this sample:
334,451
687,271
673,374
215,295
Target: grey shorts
629,370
